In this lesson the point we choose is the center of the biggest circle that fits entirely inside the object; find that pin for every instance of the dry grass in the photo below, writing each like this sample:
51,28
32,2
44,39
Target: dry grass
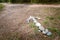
14,27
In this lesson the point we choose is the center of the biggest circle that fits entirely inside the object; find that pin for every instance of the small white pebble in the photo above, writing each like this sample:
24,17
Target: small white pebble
49,33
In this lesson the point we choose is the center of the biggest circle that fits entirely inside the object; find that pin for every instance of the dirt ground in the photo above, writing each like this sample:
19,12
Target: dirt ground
13,25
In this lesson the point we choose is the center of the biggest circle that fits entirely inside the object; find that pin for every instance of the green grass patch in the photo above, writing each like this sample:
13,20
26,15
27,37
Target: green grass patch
1,6
57,31
45,22
53,29
36,30
59,17
32,25
50,17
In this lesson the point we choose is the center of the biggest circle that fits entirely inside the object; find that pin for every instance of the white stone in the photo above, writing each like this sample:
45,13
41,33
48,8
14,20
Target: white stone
49,33
43,32
37,24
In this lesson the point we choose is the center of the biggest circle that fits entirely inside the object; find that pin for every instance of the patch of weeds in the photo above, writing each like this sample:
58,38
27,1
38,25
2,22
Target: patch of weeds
32,25
45,22
51,36
36,30
58,32
59,17
55,30
54,23
1,6
50,17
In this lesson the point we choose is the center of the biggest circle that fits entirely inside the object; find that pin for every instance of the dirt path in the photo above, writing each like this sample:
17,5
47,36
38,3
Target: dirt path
13,18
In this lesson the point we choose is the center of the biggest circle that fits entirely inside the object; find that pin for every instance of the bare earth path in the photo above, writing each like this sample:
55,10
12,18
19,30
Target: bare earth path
13,19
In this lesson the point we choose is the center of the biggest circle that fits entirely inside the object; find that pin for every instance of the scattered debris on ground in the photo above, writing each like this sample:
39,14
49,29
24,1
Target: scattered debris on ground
37,24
